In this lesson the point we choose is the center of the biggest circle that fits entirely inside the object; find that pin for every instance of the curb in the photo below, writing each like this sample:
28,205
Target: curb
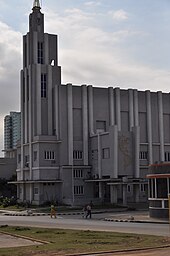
47,214
119,251
25,237
81,213
137,221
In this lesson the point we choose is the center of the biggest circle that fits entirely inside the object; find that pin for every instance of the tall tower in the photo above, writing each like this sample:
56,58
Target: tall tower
40,81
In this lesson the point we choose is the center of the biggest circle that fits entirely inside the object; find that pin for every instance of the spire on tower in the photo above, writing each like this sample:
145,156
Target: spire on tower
36,4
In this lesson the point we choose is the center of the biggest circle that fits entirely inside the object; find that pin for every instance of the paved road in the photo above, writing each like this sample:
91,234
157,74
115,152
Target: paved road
77,222
68,222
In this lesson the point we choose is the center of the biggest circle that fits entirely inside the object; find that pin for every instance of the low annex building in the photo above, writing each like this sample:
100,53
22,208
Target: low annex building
159,190
82,143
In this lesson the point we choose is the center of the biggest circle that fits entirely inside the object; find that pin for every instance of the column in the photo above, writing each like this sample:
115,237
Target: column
149,126
85,124
118,115
131,112
30,122
38,100
70,123
28,49
113,194
100,166
30,133
137,192
91,121
136,108
56,117
161,131
21,186
22,126
115,152
26,106
50,101
46,47
35,47
136,131
111,106
99,156
124,187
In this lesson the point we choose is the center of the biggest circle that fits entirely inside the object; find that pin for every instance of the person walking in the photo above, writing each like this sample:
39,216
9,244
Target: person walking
53,211
84,211
88,211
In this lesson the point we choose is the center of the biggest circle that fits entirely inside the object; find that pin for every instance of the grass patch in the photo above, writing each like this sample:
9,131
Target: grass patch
72,241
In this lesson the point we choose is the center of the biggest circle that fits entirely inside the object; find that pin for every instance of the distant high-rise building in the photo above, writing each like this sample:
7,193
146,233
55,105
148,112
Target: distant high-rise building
12,131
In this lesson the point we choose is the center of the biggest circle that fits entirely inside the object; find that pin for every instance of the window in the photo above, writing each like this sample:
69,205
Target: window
143,155
106,153
24,89
27,88
78,173
162,187
43,85
35,191
77,155
128,188
167,156
78,190
27,161
100,126
19,158
40,52
94,154
142,187
35,155
20,190
49,155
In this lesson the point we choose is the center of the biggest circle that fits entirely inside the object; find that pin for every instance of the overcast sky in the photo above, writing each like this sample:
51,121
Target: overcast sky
119,43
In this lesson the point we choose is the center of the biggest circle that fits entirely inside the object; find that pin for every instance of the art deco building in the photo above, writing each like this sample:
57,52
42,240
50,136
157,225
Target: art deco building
82,143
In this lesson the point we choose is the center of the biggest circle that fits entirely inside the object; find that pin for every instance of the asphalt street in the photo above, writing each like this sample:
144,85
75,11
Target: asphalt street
77,222
98,223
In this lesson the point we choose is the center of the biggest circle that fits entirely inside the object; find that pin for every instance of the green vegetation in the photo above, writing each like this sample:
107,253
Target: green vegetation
72,241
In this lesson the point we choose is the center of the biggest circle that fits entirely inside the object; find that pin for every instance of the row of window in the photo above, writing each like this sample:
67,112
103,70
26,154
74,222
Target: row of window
143,188
143,155
78,155
79,190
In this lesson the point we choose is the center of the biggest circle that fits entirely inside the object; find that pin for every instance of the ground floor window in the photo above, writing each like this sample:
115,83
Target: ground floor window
77,155
78,173
143,155
142,188
78,190
49,155
128,188
35,191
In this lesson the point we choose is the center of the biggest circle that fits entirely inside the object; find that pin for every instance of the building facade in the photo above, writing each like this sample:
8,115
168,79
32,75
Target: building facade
82,143
12,133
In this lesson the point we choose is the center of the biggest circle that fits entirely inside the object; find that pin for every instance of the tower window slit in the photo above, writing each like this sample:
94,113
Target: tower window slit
40,52
43,85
